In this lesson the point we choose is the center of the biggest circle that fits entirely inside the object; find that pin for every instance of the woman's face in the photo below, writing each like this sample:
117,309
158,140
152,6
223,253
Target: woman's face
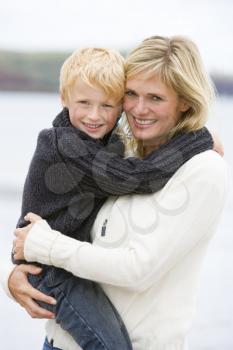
152,108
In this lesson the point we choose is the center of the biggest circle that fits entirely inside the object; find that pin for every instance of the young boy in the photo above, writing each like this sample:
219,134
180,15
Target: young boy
77,164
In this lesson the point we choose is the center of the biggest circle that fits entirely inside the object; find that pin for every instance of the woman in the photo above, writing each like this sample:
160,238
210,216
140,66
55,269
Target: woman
148,260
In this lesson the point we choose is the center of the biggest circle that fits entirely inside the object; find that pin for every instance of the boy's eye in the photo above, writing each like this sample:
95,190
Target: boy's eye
105,105
84,102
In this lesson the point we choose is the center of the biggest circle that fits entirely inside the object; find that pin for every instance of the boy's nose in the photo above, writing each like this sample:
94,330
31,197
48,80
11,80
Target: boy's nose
94,114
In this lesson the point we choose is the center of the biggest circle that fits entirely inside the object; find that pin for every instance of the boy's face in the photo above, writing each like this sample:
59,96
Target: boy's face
91,110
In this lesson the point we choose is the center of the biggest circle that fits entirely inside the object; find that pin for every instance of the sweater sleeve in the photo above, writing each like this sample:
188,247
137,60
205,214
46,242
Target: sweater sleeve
106,173
146,258
34,186
48,185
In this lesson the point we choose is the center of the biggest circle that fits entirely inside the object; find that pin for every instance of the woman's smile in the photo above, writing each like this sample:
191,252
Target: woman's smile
152,108
143,123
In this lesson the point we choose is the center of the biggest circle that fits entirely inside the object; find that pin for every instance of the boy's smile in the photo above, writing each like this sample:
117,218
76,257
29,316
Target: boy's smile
91,110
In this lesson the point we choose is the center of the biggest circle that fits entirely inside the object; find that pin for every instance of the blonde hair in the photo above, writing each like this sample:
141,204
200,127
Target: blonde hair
177,62
98,67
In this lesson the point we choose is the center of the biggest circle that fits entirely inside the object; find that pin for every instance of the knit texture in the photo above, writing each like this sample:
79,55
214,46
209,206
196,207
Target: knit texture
72,174
151,276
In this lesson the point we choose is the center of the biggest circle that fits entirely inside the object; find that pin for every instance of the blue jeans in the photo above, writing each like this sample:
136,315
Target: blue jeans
83,310
48,346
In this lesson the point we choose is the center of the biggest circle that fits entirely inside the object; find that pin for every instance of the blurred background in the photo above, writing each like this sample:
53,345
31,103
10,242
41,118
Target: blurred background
35,38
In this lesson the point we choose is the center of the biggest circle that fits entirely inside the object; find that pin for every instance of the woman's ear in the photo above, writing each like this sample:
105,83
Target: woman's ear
184,105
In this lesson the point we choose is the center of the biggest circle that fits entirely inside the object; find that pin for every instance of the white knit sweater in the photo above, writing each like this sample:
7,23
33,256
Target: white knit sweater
148,262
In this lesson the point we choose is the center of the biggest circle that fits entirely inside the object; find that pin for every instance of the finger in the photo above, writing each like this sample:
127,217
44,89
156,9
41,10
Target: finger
36,311
27,289
18,243
18,255
39,296
32,217
29,268
16,232
20,232
18,248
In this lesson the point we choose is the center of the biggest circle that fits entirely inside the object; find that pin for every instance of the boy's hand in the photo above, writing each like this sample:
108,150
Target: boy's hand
21,235
218,146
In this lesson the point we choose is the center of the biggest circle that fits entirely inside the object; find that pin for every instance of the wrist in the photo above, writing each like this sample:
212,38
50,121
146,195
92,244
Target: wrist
39,243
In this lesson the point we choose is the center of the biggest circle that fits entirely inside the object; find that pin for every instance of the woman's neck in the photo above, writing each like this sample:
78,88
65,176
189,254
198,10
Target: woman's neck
152,145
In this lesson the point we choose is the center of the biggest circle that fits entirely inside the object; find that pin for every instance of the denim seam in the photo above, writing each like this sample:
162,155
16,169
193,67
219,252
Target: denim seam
85,322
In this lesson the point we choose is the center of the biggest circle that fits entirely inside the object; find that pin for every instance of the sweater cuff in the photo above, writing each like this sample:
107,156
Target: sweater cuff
65,252
39,242
6,271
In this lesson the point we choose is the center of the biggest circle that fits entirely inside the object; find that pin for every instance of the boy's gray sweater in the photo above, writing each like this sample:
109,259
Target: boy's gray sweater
71,174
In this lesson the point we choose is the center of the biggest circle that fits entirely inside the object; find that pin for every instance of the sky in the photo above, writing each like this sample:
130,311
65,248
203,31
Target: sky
68,24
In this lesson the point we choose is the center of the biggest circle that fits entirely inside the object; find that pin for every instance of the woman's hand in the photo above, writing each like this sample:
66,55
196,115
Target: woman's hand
21,235
24,293
18,243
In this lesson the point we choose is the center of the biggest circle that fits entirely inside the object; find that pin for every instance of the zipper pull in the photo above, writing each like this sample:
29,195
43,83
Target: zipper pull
103,229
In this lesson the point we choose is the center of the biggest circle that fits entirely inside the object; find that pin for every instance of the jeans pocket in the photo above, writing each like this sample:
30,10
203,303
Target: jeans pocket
48,346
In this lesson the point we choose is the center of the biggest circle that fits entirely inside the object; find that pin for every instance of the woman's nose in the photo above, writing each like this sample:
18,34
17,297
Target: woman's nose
140,107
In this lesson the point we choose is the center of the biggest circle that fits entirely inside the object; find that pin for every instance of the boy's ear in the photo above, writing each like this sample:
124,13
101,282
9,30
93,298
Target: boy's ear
62,100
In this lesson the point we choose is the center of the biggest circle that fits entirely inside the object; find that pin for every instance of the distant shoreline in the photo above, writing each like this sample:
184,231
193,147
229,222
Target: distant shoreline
223,86
39,72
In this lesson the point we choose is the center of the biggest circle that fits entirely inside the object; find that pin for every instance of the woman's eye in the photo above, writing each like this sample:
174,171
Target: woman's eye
130,93
83,102
156,98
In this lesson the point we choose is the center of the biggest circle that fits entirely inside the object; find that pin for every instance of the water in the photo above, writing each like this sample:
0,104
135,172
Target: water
22,117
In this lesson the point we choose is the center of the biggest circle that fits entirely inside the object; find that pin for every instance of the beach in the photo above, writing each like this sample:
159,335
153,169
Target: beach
23,116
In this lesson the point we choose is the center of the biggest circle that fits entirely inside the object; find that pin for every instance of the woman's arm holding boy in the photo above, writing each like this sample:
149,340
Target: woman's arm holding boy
15,284
146,258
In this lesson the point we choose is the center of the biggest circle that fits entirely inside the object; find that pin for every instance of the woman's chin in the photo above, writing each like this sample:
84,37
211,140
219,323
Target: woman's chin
144,134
